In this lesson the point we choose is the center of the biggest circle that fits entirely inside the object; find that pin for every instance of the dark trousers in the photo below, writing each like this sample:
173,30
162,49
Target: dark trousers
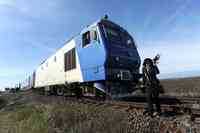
152,97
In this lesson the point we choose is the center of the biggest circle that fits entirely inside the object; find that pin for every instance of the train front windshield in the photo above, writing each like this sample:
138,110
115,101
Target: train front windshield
119,37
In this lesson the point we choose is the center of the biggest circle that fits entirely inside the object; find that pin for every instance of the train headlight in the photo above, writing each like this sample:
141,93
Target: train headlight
117,58
128,42
118,75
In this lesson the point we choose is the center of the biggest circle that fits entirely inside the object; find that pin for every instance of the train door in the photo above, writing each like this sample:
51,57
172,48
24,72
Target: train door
34,76
92,55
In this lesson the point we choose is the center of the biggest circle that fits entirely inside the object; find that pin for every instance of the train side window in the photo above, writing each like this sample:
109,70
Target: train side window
70,60
86,39
73,59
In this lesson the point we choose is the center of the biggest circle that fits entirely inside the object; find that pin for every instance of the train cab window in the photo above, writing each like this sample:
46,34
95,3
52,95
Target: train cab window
70,60
86,39
94,35
113,35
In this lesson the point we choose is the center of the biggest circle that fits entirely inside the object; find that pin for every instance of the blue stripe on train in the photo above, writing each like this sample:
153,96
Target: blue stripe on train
92,59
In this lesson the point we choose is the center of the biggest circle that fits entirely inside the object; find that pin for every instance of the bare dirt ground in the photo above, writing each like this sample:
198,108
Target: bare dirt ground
29,112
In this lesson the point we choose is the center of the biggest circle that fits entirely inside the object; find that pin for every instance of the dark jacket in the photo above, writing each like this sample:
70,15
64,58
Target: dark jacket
150,72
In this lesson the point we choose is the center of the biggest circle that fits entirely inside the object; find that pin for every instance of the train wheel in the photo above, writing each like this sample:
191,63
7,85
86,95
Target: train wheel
47,90
60,91
78,92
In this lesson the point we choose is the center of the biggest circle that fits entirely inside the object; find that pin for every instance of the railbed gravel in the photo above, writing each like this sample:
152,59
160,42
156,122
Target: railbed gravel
139,123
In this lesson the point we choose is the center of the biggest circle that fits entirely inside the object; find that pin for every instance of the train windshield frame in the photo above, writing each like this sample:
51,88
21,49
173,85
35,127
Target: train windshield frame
117,36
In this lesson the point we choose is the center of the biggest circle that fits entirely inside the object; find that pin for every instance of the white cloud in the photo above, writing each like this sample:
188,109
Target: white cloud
7,2
169,18
174,57
34,9
42,46
178,12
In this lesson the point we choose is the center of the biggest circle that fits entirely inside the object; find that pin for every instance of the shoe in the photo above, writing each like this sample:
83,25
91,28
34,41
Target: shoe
147,113
156,114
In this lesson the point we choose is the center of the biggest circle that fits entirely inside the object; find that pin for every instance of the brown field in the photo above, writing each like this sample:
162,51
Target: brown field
182,86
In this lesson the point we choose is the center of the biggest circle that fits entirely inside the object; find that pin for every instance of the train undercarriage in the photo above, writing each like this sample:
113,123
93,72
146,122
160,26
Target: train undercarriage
99,90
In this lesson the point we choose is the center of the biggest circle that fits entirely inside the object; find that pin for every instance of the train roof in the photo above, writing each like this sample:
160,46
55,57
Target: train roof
102,20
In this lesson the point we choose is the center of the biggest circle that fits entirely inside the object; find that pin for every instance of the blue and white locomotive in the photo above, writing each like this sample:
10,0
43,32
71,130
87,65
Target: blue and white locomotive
103,55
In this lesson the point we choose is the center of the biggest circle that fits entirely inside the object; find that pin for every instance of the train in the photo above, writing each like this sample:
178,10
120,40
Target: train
103,58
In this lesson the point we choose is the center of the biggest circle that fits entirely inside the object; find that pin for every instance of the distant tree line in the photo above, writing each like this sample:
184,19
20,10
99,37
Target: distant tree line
13,90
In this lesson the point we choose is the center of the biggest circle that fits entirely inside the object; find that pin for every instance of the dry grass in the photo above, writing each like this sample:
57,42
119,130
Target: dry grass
24,119
2,103
80,118
63,118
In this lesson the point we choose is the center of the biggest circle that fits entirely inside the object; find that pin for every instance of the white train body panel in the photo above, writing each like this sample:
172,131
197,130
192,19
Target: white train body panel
52,71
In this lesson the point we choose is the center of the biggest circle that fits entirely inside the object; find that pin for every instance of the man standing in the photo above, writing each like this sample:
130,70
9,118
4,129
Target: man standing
151,82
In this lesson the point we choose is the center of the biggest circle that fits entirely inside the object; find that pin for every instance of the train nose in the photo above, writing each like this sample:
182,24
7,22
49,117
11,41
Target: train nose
119,74
124,75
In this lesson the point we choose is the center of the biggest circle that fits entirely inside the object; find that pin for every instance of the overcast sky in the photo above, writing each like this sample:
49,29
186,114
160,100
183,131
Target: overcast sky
31,30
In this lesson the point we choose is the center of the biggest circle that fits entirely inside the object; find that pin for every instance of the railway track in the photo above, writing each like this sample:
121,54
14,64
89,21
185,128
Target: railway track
169,105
